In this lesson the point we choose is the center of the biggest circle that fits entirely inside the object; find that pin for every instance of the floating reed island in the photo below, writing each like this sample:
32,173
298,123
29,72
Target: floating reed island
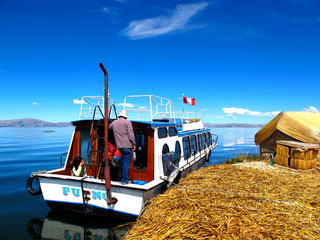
251,200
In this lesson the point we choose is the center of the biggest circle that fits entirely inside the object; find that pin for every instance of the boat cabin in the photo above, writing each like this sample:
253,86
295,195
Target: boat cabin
157,140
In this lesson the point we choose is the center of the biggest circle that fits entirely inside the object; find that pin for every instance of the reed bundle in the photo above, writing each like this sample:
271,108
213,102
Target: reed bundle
235,202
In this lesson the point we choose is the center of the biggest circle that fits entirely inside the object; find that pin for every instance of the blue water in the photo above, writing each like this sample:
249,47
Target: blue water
25,150
232,141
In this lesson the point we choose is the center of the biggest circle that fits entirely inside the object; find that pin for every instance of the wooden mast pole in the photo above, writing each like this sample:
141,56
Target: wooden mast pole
107,176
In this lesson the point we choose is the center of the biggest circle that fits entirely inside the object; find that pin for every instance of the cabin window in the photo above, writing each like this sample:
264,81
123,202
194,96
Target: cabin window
207,139
165,149
210,138
141,161
200,142
186,147
84,143
204,142
193,145
172,131
162,132
177,153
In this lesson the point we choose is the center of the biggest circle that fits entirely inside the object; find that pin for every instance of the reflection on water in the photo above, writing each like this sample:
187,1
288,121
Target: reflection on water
58,225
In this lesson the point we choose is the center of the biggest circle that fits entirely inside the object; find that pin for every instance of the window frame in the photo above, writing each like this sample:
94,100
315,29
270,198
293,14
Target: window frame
166,132
210,138
203,136
84,143
141,163
199,138
175,132
186,149
194,147
165,145
177,156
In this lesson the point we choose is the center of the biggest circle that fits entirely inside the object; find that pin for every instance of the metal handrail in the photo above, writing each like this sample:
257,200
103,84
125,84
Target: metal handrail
92,123
214,137
61,164
92,106
114,109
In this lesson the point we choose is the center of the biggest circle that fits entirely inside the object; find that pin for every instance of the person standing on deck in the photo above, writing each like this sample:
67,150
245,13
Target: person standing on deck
125,142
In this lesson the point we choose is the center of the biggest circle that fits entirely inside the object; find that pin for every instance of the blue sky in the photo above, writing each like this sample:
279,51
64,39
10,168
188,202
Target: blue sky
243,61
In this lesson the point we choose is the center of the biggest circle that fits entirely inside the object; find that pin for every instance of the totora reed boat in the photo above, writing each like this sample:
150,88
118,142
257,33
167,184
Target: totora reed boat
169,145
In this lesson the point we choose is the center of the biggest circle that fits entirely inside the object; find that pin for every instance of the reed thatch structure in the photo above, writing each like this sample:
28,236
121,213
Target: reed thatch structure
291,126
252,200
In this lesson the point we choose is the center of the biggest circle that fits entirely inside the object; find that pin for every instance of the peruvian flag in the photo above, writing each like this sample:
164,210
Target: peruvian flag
191,101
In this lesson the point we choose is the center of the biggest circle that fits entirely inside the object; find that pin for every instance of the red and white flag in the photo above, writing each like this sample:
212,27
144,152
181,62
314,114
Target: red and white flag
191,101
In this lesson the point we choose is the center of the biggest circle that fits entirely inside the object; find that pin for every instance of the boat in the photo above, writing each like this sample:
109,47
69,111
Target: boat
169,145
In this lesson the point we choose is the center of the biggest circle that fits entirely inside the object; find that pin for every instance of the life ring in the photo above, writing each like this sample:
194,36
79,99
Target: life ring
30,188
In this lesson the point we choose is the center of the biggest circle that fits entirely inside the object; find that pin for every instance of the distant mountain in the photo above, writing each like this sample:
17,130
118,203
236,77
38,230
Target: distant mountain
31,122
233,125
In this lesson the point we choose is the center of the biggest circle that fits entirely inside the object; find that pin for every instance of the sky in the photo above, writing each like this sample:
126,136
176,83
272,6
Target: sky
243,61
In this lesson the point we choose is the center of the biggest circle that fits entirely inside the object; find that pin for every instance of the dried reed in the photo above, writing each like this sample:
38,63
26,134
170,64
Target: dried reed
235,202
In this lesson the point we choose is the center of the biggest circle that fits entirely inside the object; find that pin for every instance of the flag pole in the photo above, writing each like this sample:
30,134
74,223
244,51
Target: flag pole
183,104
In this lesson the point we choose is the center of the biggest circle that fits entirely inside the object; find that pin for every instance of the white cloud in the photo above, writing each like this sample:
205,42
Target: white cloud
152,27
76,101
105,10
129,105
219,116
310,109
35,103
242,111
143,107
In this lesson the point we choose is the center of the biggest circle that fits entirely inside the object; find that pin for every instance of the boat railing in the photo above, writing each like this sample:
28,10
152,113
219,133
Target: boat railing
214,138
148,108
89,105
140,107
188,117
153,108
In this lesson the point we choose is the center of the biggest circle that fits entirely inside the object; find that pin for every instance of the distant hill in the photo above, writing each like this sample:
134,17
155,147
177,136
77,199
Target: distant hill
233,125
31,122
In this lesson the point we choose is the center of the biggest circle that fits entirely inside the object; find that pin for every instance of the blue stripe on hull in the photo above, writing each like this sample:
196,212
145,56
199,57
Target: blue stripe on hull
91,209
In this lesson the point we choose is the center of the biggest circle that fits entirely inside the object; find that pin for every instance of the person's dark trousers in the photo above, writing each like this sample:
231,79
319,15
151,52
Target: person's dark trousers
126,158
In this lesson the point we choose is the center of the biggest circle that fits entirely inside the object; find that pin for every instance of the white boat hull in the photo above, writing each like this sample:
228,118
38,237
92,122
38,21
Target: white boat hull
65,193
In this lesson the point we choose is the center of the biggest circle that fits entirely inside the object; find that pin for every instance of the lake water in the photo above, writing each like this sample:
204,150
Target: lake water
25,150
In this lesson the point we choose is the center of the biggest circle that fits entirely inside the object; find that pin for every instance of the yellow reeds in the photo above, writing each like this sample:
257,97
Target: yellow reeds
235,202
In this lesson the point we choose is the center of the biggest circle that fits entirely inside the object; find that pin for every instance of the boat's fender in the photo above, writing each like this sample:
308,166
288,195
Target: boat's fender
172,177
30,188
208,156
